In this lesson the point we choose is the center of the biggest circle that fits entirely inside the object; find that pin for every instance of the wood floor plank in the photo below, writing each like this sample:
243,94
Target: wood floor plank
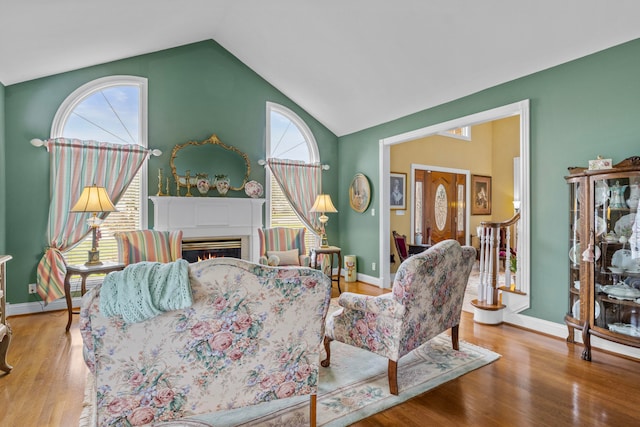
538,381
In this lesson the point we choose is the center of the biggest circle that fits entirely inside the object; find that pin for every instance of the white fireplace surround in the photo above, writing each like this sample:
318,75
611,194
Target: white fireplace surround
212,218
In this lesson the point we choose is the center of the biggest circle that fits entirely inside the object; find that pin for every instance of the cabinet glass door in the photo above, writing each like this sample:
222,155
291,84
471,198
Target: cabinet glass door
617,273
575,209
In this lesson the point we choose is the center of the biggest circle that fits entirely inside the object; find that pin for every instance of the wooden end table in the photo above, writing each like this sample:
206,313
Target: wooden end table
329,250
84,271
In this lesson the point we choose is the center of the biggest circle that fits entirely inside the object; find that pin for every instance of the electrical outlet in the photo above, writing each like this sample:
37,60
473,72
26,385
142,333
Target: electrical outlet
373,266
32,288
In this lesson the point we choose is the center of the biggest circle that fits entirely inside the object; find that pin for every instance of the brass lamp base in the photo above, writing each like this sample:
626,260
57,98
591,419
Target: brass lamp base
94,257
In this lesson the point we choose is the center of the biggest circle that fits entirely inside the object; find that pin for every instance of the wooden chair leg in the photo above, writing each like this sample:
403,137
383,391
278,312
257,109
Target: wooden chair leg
312,411
327,348
454,338
4,347
393,377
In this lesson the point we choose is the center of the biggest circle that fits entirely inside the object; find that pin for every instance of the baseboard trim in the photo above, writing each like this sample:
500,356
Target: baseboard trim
360,277
39,307
560,330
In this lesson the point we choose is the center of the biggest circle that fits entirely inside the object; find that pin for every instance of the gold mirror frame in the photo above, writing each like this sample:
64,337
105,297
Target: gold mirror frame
213,139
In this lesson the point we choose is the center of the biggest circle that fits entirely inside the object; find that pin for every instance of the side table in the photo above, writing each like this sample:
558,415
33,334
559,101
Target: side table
84,271
330,250
416,249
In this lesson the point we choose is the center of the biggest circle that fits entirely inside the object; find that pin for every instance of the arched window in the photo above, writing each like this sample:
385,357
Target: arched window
111,109
288,137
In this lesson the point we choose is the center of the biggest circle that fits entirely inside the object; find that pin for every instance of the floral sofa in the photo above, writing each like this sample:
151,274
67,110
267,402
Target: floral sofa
426,299
253,334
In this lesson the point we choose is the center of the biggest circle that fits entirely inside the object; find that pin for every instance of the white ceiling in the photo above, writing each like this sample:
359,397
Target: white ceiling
351,64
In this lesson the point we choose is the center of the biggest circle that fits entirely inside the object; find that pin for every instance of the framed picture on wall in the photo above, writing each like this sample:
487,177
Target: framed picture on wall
481,195
398,190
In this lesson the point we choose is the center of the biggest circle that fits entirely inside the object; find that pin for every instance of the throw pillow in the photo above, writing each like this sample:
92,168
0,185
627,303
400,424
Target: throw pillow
286,257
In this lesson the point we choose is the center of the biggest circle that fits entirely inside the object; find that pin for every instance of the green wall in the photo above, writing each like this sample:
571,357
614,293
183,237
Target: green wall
194,91
578,110
3,168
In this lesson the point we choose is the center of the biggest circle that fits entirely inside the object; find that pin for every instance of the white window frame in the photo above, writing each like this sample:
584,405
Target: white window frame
314,156
465,135
77,96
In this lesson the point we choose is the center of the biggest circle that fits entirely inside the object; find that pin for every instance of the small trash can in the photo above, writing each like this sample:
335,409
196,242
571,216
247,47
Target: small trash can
350,267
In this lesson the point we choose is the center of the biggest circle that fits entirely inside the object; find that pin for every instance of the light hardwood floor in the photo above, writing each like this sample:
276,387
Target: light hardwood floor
538,381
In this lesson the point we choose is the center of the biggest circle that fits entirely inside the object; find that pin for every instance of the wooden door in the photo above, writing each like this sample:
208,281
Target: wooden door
442,213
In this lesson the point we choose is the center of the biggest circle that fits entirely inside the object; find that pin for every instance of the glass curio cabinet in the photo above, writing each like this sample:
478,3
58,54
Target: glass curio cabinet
604,254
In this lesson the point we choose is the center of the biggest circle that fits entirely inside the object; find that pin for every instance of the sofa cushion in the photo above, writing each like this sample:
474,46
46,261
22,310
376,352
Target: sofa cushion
290,257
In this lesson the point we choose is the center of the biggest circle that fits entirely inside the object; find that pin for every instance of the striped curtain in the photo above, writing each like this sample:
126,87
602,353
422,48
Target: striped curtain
75,164
301,183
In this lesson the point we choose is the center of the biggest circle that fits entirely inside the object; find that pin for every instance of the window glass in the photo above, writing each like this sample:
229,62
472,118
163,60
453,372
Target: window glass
288,138
108,110
108,115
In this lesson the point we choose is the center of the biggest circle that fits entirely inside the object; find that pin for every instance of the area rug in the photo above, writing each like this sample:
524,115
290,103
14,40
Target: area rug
355,386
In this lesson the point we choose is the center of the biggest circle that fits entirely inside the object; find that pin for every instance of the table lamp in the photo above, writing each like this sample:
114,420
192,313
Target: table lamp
323,204
94,199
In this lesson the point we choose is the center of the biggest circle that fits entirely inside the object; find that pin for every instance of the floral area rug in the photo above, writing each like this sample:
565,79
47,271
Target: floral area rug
355,386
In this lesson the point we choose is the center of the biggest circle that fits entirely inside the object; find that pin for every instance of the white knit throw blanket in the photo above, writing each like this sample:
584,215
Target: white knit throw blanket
146,289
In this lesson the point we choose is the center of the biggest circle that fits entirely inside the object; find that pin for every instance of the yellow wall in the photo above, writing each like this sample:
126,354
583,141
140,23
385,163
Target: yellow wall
490,152
506,146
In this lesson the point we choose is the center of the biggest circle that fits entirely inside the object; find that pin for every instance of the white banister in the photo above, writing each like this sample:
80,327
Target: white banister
495,245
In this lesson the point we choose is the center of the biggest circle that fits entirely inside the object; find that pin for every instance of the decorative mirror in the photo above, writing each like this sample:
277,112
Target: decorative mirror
211,158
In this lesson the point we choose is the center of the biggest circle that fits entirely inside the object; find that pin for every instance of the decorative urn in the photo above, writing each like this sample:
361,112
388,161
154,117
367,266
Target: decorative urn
222,184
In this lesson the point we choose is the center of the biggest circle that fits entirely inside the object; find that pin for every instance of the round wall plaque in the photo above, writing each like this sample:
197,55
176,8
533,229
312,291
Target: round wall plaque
359,193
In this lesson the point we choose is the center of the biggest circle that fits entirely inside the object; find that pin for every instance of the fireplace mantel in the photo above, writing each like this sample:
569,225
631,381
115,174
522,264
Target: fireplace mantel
211,217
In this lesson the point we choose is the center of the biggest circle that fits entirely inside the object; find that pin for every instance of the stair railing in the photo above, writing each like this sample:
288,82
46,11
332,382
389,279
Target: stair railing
495,245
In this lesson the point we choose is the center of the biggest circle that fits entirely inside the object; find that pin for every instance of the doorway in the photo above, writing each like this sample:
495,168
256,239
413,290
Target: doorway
519,109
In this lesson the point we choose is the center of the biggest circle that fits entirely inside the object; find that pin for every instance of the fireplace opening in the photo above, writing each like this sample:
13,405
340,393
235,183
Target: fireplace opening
198,250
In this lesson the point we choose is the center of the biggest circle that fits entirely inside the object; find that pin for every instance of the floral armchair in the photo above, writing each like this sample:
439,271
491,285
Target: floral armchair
281,246
253,334
426,300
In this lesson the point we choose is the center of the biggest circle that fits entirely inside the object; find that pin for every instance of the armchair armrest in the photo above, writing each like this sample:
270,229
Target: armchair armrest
305,260
383,305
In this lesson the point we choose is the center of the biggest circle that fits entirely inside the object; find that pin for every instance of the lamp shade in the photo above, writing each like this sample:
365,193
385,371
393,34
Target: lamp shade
323,204
94,199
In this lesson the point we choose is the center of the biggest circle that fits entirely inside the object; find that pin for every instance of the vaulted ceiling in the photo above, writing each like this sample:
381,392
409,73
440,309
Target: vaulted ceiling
351,64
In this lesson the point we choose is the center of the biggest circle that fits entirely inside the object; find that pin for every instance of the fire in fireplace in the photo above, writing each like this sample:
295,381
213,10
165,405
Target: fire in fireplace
197,250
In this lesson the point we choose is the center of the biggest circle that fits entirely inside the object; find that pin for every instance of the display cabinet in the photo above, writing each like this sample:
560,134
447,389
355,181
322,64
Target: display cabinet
604,255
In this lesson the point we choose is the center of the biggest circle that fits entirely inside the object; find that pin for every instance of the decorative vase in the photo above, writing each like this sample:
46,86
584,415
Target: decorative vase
617,196
202,183
253,189
222,184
